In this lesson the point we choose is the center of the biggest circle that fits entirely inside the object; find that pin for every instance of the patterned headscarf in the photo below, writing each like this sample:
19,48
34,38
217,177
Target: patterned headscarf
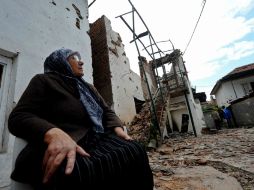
57,63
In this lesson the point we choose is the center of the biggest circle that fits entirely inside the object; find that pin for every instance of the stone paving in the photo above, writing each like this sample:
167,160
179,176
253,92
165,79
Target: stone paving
220,161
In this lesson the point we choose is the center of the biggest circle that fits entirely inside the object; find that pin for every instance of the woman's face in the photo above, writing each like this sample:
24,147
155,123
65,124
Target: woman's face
76,65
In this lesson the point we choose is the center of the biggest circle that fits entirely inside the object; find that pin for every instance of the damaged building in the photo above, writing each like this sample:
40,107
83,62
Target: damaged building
38,28
117,83
174,98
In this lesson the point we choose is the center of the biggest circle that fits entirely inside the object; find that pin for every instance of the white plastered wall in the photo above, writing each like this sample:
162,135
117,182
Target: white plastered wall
125,83
33,29
196,110
195,107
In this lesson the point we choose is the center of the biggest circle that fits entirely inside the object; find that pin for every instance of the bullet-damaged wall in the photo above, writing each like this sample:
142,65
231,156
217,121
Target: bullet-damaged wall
30,31
114,71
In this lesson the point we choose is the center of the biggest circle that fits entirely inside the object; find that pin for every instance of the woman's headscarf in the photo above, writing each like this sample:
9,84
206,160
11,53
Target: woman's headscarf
57,63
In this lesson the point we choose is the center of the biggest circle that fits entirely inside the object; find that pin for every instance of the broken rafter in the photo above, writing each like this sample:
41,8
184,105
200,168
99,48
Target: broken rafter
143,34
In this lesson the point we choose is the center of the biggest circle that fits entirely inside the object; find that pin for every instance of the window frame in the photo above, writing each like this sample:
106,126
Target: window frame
4,100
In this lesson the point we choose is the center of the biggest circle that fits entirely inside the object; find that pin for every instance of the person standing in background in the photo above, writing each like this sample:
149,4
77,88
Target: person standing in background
228,116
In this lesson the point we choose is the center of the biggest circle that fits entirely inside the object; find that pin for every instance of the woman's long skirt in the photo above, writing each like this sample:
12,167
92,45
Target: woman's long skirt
114,164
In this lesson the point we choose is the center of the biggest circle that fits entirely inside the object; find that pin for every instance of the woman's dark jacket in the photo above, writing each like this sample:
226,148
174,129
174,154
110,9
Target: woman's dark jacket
49,101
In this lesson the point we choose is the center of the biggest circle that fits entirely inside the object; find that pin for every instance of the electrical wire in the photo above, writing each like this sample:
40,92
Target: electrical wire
204,2
91,3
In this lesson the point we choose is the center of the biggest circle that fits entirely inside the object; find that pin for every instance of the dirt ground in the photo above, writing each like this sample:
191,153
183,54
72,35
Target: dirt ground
220,161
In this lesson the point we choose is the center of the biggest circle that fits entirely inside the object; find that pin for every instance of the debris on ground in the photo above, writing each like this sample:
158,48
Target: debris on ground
216,160
220,161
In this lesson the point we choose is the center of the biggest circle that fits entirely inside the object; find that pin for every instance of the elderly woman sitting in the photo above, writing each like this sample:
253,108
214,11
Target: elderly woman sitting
75,141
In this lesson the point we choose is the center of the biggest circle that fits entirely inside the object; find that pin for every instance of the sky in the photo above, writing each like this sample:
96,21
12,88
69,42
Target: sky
223,39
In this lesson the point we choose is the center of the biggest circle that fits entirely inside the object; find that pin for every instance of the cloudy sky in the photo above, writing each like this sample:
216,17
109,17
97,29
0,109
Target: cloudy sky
223,40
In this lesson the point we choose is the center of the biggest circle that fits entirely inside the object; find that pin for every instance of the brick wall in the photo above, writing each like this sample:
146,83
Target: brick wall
100,58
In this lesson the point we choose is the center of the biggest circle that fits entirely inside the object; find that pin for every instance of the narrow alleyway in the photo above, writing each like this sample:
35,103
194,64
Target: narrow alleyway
220,161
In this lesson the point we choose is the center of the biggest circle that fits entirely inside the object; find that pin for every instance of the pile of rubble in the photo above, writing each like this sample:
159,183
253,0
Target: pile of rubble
139,128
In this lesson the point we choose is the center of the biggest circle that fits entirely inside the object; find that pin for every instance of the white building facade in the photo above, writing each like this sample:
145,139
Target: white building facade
30,31
235,85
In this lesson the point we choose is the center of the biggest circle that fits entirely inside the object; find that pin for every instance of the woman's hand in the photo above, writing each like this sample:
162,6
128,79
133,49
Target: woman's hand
121,133
60,146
